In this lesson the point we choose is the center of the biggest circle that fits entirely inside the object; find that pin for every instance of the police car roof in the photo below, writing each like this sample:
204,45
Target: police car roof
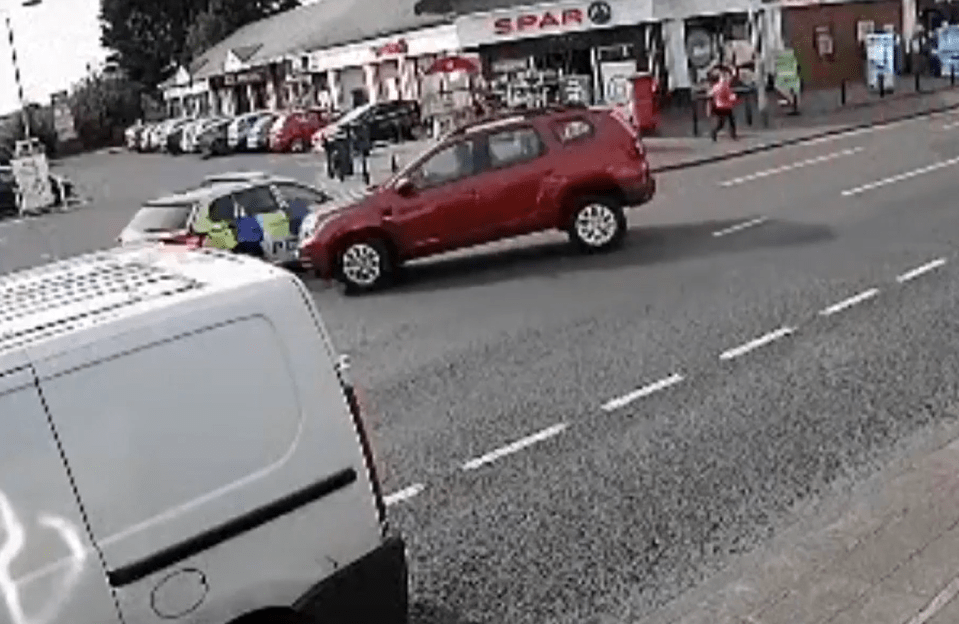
200,193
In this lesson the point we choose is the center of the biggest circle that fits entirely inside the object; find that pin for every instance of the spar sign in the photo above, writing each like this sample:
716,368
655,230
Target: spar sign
555,18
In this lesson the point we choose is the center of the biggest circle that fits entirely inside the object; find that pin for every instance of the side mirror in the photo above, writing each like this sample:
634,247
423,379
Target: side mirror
404,187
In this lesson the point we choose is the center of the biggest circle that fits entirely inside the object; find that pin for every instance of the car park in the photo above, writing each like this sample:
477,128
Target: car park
118,374
572,169
254,213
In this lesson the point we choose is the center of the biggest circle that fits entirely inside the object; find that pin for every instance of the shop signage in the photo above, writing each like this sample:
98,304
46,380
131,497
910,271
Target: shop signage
392,48
546,19
699,48
241,78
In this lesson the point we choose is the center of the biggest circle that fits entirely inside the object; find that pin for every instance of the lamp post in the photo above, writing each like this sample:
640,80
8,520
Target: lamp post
16,67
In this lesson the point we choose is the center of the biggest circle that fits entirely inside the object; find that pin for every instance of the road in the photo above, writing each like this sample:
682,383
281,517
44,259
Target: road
579,439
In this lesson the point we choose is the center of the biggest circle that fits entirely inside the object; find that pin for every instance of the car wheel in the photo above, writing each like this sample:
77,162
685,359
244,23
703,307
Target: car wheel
598,223
364,265
298,146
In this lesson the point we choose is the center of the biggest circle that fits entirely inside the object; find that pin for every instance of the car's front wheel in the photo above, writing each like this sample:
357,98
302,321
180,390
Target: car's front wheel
598,223
364,265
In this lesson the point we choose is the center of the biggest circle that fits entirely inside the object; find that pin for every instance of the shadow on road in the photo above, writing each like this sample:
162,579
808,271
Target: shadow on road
643,246
427,613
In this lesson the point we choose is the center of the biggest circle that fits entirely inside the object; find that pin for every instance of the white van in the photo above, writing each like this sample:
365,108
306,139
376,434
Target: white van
178,444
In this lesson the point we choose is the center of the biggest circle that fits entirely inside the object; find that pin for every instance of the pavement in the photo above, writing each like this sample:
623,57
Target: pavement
765,369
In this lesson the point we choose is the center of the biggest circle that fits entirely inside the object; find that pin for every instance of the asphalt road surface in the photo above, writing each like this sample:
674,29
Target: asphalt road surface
579,439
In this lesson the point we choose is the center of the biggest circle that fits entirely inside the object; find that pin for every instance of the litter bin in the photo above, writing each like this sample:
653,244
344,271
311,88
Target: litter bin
645,107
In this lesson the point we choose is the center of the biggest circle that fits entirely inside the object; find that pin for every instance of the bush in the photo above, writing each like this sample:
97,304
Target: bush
103,107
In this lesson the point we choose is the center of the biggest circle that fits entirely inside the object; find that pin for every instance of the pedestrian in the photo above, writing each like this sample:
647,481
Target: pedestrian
722,100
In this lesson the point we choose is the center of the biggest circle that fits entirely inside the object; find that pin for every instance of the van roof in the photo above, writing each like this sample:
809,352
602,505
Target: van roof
57,301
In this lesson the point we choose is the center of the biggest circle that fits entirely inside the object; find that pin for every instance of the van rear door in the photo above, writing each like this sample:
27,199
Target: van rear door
49,569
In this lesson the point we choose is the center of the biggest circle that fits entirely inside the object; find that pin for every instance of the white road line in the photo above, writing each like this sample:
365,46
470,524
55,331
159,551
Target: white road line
950,126
844,135
900,177
519,445
942,599
850,302
790,167
740,226
404,494
645,391
913,274
755,344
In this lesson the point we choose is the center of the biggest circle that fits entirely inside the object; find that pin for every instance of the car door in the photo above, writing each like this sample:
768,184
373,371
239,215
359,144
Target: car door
440,211
510,184
259,202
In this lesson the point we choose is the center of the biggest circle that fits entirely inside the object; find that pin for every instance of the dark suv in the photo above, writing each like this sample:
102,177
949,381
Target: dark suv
572,169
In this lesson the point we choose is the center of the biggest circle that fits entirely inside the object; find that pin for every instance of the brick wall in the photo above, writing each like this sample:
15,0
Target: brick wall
848,62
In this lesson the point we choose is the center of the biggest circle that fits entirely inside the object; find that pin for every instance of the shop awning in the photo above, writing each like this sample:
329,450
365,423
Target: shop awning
451,64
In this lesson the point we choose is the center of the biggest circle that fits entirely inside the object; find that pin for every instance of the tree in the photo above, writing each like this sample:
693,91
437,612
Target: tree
103,106
149,38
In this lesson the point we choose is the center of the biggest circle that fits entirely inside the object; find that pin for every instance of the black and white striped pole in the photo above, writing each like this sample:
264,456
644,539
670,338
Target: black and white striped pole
16,69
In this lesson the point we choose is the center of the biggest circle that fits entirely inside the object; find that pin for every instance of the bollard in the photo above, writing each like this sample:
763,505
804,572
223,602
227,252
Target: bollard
695,118
918,86
365,169
394,165
749,109
842,92
882,85
795,110
328,150
952,75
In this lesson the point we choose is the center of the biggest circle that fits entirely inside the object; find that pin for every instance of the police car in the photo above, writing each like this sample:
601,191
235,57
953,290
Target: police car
248,212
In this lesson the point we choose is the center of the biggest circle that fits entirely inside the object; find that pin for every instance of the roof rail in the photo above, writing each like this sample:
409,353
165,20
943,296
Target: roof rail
526,113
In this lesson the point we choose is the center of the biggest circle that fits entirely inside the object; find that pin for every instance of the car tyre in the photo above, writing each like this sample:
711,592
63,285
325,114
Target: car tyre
364,265
598,223
298,146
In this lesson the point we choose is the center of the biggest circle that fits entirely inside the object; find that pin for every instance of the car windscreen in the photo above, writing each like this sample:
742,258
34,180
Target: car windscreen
161,218
353,114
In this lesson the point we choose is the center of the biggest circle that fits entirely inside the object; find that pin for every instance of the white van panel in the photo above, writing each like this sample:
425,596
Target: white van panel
190,429
49,570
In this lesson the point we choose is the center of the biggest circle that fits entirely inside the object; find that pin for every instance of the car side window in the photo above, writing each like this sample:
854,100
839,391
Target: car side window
223,209
256,200
569,130
451,163
295,192
513,146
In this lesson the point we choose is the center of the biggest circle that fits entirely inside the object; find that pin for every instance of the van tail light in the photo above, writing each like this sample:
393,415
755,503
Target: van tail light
342,370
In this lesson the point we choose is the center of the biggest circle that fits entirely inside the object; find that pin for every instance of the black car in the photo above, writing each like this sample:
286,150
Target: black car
213,140
387,121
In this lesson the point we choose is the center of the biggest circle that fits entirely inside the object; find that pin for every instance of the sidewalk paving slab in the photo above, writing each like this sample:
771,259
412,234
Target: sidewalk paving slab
886,554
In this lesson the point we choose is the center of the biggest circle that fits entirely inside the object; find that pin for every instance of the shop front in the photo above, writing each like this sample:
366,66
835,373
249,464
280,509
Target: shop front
244,91
571,50
386,68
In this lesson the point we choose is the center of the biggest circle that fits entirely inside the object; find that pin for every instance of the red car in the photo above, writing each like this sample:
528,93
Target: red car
292,132
572,169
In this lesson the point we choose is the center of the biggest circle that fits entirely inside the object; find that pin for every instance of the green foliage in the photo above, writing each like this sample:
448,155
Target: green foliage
103,107
41,127
150,38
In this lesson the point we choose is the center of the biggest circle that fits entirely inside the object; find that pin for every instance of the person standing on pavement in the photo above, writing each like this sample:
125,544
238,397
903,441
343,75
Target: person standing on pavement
722,100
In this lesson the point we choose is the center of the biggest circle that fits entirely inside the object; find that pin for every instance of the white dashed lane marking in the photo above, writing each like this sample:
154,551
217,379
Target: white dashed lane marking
405,494
741,226
950,126
645,391
913,274
851,301
900,177
752,345
519,445
796,165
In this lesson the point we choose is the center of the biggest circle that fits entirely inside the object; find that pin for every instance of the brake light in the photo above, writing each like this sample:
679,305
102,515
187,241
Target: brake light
354,405
191,241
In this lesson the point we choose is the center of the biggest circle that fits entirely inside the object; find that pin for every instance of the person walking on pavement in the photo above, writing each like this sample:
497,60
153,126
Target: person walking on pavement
722,99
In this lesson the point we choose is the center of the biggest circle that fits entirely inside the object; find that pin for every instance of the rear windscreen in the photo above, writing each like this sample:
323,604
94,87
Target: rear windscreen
161,218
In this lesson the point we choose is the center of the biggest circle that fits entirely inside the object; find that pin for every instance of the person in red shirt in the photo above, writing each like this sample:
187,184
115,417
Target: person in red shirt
722,99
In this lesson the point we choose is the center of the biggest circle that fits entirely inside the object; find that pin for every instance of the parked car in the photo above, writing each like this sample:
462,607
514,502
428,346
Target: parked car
174,136
130,135
190,132
295,132
240,126
572,169
387,121
213,139
144,136
132,363
258,136
247,212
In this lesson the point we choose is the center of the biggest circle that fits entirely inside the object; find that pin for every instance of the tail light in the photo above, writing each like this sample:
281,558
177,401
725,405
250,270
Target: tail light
342,369
190,240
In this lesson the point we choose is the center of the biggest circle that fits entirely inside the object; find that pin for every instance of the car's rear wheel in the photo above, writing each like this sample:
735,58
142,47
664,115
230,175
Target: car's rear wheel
364,265
598,223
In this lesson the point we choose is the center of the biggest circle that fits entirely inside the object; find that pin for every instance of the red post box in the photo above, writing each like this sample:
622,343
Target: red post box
644,102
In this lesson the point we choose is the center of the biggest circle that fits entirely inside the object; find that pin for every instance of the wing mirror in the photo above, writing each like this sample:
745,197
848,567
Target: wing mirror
404,187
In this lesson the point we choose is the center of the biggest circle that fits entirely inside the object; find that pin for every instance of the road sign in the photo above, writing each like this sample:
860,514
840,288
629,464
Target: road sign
32,174
787,72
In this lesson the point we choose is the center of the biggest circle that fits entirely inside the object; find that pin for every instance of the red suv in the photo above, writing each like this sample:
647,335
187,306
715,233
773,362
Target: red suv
572,168
293,132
